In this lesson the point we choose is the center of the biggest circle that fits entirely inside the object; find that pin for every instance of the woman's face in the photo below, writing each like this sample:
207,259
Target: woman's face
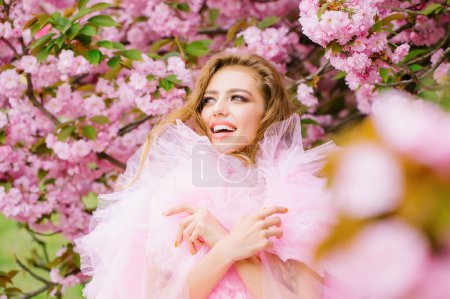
233,107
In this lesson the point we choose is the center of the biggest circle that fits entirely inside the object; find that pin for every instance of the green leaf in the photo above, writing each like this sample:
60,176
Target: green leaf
113,62
166,84
84,11
132,54
43,53
90,200
60,41
173,79
2,137
430,8
100,119
93,56
321,10
267,22
73,31
340,75
65,133
100,6
105,44
82,3
42,173
309,121
415,67
89,132
239,41
198,48
42,40
103,21
88,30
414,53
118,46
213,14
183,6
158,44
376,27
334,46
35,28
60,23
384,74
429,95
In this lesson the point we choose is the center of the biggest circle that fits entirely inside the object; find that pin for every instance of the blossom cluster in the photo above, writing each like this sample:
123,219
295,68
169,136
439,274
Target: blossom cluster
387,187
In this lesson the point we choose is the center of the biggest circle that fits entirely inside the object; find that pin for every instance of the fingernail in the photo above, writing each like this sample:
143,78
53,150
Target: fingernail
192,252
176,243
164,213
286,209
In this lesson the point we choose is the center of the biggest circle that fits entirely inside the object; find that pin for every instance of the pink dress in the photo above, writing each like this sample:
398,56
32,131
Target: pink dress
130,251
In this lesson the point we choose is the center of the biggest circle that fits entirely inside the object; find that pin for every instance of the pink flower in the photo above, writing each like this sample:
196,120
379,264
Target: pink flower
305,95
385,260
368,181
80,148
414,128
138,81
43,31
436,56
28,63
3,120
400,53
94,105
442,73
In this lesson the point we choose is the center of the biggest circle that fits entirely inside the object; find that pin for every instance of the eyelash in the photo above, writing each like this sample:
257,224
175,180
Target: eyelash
241,98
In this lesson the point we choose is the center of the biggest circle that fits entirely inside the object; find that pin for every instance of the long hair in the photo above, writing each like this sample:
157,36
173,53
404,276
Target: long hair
277,105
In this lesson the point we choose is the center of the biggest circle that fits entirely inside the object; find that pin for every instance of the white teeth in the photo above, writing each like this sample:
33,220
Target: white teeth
222,127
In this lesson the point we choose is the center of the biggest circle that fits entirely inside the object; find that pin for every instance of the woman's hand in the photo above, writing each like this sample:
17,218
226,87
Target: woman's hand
198,228
250,234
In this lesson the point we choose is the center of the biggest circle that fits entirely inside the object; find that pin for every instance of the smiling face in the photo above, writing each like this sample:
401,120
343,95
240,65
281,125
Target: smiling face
233,107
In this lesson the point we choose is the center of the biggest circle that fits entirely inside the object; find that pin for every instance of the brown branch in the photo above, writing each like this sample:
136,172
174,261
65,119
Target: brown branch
423,57
399,29
41,279
111,159
56,122
32,97
10,46
322,69
212,31
36,292
131,126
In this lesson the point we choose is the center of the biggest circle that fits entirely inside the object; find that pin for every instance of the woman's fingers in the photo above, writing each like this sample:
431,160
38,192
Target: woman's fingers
272,221
179,209
266,212
183,225
195,239
274,232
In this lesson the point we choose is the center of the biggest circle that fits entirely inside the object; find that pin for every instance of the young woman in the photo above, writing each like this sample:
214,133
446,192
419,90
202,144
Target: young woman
220,202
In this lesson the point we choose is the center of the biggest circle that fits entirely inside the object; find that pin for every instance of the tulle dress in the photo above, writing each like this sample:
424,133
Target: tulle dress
130,252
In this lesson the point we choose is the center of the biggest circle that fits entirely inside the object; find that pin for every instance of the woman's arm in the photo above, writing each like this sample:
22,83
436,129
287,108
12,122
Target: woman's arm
301,280
208,272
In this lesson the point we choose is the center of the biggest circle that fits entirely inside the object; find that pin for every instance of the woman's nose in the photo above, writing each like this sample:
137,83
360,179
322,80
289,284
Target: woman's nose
221,107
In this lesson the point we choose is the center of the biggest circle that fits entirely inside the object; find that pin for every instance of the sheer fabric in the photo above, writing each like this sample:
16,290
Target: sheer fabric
130,250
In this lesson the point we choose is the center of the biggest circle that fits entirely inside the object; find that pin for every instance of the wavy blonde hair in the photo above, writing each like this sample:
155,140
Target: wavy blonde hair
277,104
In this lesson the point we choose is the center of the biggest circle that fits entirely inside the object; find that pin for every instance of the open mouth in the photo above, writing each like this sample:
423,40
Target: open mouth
222,129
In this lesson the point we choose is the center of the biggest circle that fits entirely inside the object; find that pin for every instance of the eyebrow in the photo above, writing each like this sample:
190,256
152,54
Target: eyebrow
229,91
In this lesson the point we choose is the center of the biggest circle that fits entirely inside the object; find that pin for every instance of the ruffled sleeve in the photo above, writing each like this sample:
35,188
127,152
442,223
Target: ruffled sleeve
292,181
129,250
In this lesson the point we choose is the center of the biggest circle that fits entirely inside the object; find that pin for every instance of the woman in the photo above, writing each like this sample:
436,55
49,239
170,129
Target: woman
220,202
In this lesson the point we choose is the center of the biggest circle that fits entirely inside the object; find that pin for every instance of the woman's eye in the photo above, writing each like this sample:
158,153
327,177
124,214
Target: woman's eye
239,98
207,100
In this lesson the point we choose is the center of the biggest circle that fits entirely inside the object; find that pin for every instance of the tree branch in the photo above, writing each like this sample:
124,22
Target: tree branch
322,69
36,292
10,46
111,159
41,279
131,126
